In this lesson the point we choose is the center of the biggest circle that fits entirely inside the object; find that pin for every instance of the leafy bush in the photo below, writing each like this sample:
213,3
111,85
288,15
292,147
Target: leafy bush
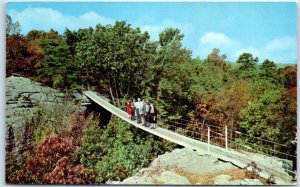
118,151
90,150
56,140
46,155
52,119
64,173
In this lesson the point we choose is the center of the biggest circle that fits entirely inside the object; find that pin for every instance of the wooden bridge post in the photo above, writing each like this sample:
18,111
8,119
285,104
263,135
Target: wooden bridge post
226,138
208,138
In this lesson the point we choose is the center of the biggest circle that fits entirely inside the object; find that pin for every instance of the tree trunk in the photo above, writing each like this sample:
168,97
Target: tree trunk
111,93
117,92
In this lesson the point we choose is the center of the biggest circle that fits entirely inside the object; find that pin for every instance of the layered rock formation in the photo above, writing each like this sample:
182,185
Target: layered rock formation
24,97
185,166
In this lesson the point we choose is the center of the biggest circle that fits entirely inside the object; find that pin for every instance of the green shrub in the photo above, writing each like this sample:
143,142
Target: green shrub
52,119
119,150
90,150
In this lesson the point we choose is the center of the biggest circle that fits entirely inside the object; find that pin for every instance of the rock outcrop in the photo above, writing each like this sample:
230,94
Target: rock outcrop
24,97
185,166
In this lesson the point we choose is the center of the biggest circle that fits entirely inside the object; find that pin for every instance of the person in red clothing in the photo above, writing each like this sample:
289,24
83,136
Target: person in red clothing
129,109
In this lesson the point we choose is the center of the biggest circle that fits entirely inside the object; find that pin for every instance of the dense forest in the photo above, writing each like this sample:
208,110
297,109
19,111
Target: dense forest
254,96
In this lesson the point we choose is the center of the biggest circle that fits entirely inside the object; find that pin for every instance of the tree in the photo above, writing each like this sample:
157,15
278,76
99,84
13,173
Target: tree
259,87
41,35
247,61
12,28
232,102
169,35
59,65
270,114
20,58
115,54
248,66
169,54
52,34
175,91
215,58
85,57
71,39
35,34
288,76
268,70
221,108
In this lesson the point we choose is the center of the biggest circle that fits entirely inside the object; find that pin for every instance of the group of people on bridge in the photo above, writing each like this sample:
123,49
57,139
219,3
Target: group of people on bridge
143,112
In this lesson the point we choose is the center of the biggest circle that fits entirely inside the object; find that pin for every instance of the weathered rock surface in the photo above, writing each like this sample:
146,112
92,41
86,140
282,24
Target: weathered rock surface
112,182
24,97
169,177
190,161
138,180
251,182
185,166
222,179
226,180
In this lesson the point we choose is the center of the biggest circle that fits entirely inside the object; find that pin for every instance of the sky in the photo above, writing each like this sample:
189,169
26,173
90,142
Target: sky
267,30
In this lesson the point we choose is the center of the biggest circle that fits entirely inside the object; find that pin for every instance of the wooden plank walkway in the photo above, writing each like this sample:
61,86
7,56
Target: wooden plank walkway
269,165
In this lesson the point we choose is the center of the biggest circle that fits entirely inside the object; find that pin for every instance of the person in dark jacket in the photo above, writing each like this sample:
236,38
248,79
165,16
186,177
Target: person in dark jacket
133,116
143,113
147,115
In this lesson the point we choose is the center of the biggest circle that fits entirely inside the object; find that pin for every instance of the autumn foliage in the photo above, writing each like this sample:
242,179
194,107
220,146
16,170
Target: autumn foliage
65,173
50,164
21,58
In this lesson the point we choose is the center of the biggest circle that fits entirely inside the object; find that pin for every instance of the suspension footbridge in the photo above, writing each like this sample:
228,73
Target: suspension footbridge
269,165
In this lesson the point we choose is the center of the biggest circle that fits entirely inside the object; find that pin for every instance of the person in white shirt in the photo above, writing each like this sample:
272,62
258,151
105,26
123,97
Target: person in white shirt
137,106
143,113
